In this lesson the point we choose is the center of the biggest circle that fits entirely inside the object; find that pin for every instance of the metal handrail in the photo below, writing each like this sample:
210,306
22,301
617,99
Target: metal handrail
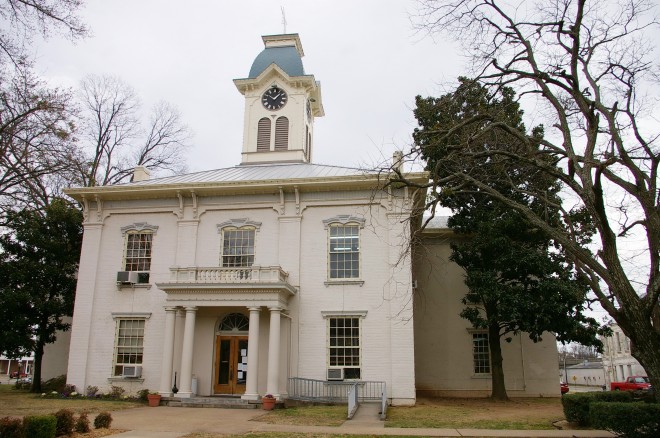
334,391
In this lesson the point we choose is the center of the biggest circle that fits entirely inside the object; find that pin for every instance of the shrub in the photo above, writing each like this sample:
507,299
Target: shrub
55,384
65,422
20,385
82,423
11,427
632,420
103,420
40,426
116,391
576,406
142,394
91,391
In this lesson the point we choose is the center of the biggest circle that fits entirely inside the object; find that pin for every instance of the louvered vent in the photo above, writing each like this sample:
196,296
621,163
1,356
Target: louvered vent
263,135
282,134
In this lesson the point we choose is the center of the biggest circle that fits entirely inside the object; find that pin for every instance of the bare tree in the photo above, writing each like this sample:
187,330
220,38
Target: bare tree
37,143
22,19
115,140
584,69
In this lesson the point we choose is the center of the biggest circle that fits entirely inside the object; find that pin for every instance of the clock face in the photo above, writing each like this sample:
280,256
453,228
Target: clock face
274,98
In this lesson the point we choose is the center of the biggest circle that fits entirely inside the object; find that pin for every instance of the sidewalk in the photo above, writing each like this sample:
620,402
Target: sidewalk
167,422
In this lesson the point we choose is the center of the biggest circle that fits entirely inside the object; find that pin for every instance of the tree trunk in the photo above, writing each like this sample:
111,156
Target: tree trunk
38,355
496,370
645,347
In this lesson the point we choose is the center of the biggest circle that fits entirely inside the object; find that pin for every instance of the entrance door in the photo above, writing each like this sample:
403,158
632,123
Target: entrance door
230,364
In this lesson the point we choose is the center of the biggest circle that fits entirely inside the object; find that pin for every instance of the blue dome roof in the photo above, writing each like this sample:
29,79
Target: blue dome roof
287,58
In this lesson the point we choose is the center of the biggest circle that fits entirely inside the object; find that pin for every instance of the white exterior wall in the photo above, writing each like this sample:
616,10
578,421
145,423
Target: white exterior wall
618,363
444,358
292,237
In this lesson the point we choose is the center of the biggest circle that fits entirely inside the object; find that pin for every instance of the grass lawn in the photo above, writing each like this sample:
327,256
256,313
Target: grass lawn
307,416
528,413
15,403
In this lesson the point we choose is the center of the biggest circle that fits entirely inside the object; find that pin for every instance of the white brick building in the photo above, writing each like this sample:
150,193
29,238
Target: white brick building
238,279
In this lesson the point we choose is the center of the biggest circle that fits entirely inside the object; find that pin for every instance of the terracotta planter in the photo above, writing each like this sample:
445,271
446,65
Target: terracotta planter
154,400
268,403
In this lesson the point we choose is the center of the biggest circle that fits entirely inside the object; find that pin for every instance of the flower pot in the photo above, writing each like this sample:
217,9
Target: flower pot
154,400
268,403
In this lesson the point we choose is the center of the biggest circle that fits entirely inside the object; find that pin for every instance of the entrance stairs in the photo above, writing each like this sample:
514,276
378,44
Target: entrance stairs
210,402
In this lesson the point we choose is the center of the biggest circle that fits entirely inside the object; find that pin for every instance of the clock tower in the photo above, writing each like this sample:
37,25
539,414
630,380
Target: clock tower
281,102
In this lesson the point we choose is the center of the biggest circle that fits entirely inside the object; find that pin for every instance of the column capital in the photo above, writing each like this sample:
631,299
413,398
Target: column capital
190,309
254,309
171,308
275,309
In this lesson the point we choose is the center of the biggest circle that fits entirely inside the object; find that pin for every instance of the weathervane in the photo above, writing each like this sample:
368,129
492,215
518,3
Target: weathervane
283,20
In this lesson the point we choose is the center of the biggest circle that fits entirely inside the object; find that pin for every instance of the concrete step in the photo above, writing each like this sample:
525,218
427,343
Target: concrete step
210,402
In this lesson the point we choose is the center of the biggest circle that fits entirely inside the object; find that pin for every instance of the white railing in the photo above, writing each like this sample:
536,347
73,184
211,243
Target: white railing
252,274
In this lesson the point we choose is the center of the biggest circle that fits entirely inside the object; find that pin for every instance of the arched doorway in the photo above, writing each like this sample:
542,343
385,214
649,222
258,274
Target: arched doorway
231,346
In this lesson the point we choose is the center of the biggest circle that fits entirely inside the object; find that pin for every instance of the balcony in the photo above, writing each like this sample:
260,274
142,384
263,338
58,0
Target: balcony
237,284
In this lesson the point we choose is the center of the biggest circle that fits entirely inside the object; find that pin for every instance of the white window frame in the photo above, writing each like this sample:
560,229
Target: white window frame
335,223
353,316
133,339
478,353
238,225
138,229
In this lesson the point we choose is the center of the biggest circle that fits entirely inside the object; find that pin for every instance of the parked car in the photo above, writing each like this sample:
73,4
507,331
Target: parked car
563,387
632,383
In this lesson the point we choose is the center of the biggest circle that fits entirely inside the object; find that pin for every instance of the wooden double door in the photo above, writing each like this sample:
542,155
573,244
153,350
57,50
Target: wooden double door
230,364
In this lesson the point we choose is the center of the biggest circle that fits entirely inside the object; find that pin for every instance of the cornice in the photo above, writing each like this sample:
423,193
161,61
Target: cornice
151,191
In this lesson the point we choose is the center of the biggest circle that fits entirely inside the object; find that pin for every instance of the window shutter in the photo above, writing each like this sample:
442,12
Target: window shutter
263,135
282,134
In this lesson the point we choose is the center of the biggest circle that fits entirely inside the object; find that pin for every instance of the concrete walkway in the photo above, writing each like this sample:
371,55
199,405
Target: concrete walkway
167,422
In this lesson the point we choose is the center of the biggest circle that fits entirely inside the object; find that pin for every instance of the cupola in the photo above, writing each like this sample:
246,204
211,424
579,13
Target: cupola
281,103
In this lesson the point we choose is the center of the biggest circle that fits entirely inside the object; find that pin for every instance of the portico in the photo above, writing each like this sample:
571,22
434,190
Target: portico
239,298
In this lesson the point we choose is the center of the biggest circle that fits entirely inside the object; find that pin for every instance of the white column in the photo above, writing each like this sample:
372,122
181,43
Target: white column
185,390
168,353
272,386
253,356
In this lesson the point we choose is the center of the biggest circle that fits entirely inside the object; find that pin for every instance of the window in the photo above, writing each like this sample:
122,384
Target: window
344,345
138,243
263,135
129,344
480,353
281,134
344,251
238,247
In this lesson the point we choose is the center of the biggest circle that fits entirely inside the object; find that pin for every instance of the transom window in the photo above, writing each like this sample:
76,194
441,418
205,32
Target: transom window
344,345
129,344
237,247
344,251
480,353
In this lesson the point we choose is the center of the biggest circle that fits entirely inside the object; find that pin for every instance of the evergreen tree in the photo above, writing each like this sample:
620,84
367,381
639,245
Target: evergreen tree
39,255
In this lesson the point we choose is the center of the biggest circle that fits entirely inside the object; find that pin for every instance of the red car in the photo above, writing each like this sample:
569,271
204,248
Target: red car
563,387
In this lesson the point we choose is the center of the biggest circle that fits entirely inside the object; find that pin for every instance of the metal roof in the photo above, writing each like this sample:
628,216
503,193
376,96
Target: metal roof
287,58
261,172
437,222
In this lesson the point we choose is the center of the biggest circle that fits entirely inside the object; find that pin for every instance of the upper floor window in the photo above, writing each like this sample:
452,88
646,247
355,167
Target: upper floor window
238,236
344,247
138,242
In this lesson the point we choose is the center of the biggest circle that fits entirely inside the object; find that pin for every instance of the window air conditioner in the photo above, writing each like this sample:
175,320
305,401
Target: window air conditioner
127,277
132,371
335,374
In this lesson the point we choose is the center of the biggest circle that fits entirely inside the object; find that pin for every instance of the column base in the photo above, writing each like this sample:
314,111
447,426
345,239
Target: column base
183,394
251,397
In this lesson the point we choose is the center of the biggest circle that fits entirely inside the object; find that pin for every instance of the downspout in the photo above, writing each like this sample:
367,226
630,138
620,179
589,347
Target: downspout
522,361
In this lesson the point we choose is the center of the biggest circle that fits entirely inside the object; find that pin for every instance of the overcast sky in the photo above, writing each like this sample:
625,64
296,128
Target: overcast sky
369,59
